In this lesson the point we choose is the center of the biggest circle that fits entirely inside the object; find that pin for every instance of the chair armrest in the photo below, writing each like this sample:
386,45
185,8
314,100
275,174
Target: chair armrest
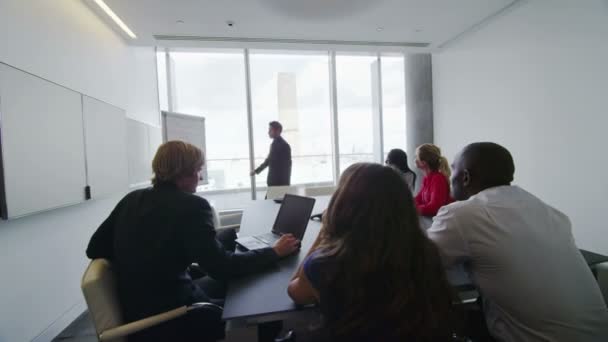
133,327
145,323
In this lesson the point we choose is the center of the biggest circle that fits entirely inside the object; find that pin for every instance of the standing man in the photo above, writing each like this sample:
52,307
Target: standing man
279,158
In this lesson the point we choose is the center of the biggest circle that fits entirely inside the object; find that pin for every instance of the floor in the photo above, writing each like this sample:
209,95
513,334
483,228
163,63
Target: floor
82,330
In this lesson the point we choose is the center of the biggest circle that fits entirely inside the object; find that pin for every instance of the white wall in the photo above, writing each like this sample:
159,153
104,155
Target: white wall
67,43
42,257
142,86
536,81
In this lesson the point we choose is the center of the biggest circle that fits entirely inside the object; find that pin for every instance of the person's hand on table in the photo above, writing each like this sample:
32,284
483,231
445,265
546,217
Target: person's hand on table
286,245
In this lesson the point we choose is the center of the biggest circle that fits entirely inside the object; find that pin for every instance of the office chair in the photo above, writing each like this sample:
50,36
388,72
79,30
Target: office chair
218,220
99,290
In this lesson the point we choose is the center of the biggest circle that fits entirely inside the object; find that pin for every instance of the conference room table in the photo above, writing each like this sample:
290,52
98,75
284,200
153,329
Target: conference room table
262,297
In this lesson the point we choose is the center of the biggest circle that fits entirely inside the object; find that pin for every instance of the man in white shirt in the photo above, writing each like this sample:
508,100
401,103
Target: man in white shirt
520,253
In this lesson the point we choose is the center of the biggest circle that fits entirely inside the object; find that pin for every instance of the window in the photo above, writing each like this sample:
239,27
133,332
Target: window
293,88
211,84
393,103
355,108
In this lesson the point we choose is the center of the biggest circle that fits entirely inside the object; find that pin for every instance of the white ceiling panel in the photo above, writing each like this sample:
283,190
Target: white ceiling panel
378,21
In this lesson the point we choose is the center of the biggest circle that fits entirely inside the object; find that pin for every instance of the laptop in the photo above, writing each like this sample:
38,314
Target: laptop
292,219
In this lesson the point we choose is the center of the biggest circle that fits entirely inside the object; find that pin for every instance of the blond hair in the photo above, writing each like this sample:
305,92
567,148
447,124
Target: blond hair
175,159
431,154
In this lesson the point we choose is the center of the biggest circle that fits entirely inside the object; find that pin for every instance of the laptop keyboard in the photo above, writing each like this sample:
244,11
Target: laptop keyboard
269,238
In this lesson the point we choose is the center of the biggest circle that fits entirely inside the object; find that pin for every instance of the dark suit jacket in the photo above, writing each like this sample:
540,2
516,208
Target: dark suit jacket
152,236
278,163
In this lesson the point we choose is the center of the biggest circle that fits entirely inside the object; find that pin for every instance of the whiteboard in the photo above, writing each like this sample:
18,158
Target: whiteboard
188,128
42,143
106,147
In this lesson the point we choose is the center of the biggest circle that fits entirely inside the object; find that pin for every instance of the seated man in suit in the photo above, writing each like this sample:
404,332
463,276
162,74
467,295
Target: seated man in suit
153,236
533,280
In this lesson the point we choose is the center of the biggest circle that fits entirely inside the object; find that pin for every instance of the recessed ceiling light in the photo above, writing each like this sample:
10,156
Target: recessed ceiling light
116,19
379,29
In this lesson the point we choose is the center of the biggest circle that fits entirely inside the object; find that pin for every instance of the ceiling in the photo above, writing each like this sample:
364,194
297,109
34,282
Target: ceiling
362,21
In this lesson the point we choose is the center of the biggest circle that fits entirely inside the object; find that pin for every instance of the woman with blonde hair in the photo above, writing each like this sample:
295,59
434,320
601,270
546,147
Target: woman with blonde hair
435,190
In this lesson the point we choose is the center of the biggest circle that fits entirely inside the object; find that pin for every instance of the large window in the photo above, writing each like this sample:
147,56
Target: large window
356,101
294,90
211,84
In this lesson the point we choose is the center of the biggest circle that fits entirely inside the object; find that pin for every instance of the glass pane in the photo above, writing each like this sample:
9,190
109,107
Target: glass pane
211,84
162,80
293,89
355,108
393,103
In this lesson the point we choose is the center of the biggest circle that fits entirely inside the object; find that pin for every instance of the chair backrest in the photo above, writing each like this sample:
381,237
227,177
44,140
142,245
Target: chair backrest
99,290
319,191
216,217
275,192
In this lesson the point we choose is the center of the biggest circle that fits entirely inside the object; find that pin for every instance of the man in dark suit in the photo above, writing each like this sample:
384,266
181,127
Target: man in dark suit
279,158
155,234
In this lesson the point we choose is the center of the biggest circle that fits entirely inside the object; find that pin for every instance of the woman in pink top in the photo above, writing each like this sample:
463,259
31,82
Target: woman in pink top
435,190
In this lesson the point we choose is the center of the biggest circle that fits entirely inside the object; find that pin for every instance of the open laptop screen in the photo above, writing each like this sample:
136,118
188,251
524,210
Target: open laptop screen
293,216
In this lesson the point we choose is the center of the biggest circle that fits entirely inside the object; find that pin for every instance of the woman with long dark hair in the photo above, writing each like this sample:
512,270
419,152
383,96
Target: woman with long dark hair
373,271
397,158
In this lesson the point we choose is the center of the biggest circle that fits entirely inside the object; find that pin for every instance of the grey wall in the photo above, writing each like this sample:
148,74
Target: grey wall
419,102
536,81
